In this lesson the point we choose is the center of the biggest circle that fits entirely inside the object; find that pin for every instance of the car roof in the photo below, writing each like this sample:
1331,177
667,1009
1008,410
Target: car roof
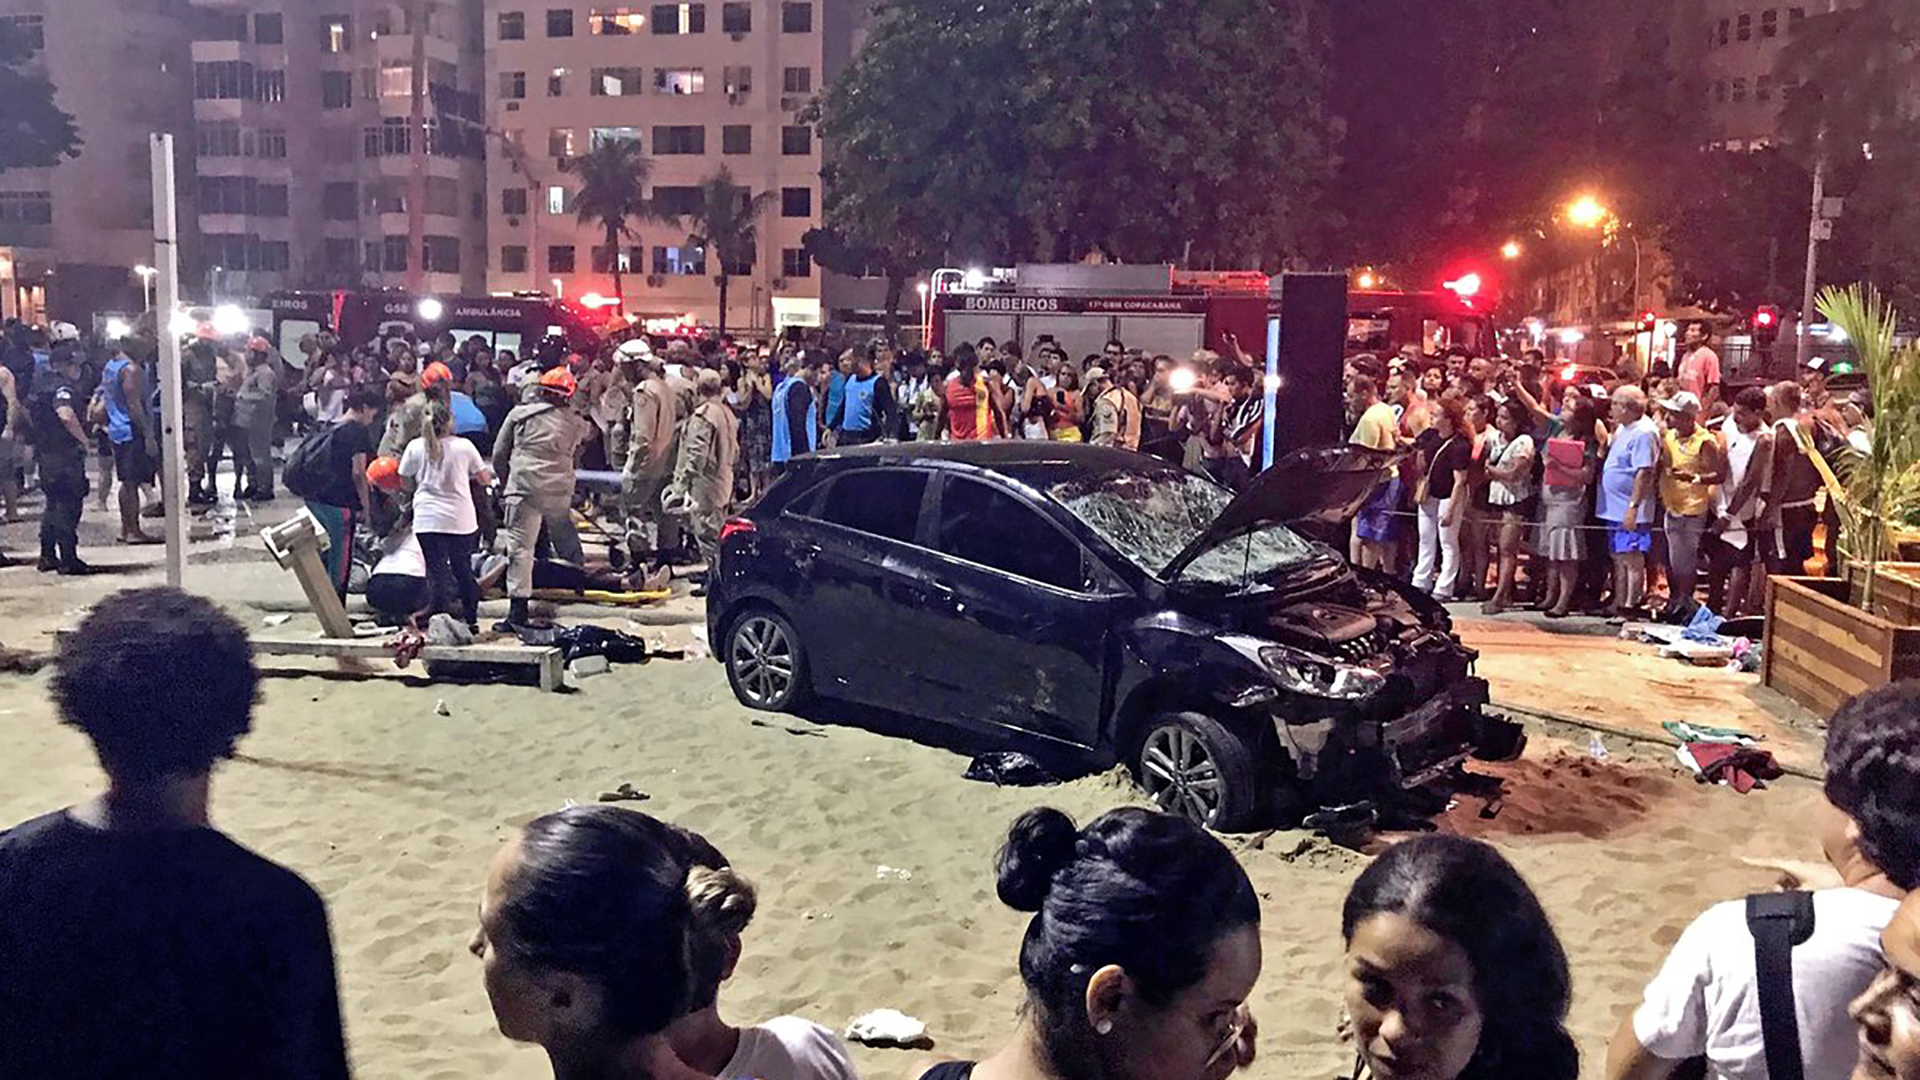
1031,461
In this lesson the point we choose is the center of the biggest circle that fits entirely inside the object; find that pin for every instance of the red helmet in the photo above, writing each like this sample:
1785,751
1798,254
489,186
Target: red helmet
559,381
435,374
384,473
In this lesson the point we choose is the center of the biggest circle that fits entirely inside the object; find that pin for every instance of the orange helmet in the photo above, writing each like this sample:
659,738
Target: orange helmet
559,381
435,374
259,344
384,473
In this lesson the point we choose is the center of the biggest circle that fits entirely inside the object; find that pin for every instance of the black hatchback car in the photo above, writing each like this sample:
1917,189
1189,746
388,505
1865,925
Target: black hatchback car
1098,605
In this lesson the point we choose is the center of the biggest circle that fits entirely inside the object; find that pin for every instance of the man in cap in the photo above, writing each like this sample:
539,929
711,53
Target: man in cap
60,446
702,486
653,430
1691,464
534,455
403,422
255,409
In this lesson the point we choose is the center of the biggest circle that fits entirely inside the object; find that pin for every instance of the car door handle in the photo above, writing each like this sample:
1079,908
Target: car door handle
804,554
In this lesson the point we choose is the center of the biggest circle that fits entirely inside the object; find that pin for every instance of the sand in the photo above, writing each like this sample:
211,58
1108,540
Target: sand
392,811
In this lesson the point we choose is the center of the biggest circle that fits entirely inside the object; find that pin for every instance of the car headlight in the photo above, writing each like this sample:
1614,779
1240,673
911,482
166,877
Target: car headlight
1300,672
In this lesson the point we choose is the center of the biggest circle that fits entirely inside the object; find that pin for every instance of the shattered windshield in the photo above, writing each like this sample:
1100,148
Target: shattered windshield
1152,517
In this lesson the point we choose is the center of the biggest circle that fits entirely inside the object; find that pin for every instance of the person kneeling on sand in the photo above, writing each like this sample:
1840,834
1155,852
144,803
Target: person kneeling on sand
1705,1001
784,1048
135,939
1888,1013
1143,950
1453,969
585,928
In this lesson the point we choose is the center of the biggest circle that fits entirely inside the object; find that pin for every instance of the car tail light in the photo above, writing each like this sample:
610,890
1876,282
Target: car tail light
737,527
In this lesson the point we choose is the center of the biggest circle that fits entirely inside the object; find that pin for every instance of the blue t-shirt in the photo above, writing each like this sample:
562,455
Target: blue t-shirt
1634,447
467,417
836,393
119,417
858,412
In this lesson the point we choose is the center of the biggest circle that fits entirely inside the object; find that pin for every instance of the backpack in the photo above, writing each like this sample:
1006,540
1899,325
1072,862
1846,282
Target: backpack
309,468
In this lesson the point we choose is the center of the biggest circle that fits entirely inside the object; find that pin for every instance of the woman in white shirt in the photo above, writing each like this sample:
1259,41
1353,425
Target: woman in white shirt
443,469
1510,494
784,1048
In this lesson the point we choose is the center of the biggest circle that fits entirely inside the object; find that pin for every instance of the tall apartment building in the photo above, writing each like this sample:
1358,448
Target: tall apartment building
303,145
699,85
1737,45
70,235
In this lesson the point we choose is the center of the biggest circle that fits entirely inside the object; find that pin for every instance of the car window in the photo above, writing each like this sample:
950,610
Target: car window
880,502
985,525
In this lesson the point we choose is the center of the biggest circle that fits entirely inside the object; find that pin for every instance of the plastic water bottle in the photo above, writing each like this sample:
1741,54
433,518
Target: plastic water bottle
1595,748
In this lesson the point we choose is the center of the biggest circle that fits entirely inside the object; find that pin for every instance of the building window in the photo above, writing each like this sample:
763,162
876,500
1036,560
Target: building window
440,254
26,208
270,200
556,199
513,259
673,261
737,79
736,18
513,201
601,136
796,80
389,138
796,140
796,202
679,18
736,139
1770,23
30,29
268,29
273,143
796,18
617,81
795,263
336,33
560,143
680,80
340,201
1723,31
216,139
557,82
679,139
1738,91
676,201
395,253
616,21
1720,91
1794,16
1743,27
223,80
270,85
336,90
559,22
560,259
512,26
1763,88
513,85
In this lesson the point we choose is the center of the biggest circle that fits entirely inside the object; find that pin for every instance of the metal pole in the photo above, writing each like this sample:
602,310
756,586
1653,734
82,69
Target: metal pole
1804,353
166,262
417,153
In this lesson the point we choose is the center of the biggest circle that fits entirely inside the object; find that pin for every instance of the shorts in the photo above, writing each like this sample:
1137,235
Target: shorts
132,463
1796,532
1375,522
1629,541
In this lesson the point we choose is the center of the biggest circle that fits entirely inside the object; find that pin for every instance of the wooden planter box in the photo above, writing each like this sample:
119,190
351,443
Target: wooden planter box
1896,591
1820,649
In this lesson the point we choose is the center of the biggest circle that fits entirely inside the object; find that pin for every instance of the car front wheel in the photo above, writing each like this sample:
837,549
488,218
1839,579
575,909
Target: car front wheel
766,664
1192,765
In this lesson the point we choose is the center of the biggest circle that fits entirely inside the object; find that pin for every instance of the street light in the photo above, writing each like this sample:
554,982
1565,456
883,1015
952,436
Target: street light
146,283
1586,212
1510,250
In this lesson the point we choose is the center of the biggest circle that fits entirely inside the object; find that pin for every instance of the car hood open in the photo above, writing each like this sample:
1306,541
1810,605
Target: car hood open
1317,486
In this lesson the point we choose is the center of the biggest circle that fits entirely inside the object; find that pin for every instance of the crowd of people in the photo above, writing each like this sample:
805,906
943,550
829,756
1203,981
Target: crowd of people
607,936
1520,487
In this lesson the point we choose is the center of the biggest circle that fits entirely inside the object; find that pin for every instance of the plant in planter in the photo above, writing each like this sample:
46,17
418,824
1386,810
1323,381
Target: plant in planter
1829,639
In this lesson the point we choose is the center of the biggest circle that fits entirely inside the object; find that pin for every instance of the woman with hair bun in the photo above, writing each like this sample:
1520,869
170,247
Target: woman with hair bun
585,926
784,1048
1143,949
1453,970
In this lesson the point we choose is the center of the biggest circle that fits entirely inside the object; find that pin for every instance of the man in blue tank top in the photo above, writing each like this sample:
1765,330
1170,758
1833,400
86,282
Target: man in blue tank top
131,430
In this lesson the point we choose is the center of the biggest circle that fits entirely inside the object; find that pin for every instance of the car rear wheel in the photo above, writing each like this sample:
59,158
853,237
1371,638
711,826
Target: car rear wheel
1192,765
766,664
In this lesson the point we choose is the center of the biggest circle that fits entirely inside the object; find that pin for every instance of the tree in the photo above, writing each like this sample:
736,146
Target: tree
613,191
34,131
725,225
1139,129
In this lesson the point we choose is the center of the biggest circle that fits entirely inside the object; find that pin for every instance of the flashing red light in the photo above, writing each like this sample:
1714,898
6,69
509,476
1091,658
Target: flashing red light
1569,372
1763,317
737,526
1465,286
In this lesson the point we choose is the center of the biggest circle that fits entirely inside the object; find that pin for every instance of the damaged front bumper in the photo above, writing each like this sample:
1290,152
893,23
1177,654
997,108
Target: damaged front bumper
1353,754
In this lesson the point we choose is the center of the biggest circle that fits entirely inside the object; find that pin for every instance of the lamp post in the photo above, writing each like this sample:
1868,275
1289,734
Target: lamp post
146,284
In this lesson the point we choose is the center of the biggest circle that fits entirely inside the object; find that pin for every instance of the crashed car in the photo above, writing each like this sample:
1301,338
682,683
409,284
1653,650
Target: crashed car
1103,606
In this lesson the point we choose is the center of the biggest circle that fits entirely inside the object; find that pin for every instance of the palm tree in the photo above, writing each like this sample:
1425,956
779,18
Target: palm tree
613,191
725,226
